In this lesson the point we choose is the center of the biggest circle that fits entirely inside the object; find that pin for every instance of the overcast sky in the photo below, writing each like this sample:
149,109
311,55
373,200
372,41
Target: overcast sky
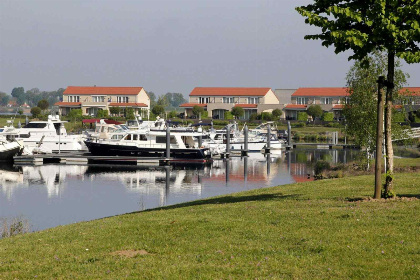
164,45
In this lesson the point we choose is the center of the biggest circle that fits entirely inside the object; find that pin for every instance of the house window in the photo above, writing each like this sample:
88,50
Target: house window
122,99
326,100
228,99
74,98
204,100
98,98
301,100
253,100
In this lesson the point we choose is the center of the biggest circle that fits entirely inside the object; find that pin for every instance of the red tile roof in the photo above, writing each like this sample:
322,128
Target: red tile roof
228,91
246,105
67,103
130,104
336,91
102,90
188,105
338,106
296,106
410,91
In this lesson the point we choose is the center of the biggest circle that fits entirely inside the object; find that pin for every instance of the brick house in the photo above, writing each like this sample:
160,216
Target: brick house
91,99
217,100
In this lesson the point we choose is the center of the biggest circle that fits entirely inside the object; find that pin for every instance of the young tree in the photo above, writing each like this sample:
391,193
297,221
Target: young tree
315,111
114,110
129,114
277,113
238,112
197,110
158,110
361,109
363,27
36,112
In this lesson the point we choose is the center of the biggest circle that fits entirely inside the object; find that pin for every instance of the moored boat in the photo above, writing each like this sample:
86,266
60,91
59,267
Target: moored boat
9,149
150,143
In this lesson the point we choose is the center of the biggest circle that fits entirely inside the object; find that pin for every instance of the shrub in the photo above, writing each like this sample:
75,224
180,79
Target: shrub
266,116
102,114
172,114
328,117
302,116
75,115
43,104
321,166
298,124
253,117
228,115
277,113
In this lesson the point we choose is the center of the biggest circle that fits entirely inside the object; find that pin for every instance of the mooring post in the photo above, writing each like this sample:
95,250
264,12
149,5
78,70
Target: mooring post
267,150
379,135
200,137
245,149
245,168
168,142
228,141
289,134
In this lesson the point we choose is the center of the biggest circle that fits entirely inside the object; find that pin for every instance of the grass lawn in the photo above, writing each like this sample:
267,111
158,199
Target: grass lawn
315,230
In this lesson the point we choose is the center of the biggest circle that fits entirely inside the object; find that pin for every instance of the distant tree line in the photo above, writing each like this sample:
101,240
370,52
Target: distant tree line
31,97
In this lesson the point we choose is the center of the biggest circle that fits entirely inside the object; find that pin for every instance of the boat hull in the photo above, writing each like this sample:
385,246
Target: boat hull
105,149
8,151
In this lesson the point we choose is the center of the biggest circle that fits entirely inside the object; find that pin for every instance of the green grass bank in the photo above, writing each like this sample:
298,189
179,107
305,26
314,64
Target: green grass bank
317,230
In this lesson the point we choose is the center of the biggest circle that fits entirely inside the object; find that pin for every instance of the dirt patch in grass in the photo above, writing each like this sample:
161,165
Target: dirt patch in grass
130,253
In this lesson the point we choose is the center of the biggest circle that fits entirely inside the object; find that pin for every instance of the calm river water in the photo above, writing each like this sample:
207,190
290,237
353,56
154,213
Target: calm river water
51,195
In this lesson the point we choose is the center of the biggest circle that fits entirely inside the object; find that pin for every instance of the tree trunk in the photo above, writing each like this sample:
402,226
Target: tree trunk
388,131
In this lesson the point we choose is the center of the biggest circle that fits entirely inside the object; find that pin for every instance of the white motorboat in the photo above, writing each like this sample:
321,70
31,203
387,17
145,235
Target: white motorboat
9,149
48,136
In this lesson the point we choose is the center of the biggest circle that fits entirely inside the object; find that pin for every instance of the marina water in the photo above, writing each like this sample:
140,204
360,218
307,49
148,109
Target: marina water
52,195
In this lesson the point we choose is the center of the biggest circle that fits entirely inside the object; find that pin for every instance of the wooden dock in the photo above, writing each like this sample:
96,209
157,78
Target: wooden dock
322,146
87,158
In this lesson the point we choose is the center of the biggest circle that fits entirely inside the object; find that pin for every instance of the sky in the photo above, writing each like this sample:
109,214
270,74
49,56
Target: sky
165,45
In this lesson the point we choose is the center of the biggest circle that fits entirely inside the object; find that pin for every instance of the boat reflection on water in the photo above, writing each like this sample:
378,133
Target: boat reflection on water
52,195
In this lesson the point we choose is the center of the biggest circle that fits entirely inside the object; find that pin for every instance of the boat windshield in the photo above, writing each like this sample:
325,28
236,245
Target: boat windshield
35,125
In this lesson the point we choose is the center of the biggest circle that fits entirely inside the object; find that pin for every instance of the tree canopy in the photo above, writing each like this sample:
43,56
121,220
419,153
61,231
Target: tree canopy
315,111
367,26
43,104
238,112
197,110
158,110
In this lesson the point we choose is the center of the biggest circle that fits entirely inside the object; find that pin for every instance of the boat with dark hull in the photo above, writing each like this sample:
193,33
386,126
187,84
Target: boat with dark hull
148,143
105,149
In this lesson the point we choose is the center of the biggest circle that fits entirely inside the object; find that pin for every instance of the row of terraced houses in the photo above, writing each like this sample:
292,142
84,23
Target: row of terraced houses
218,100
